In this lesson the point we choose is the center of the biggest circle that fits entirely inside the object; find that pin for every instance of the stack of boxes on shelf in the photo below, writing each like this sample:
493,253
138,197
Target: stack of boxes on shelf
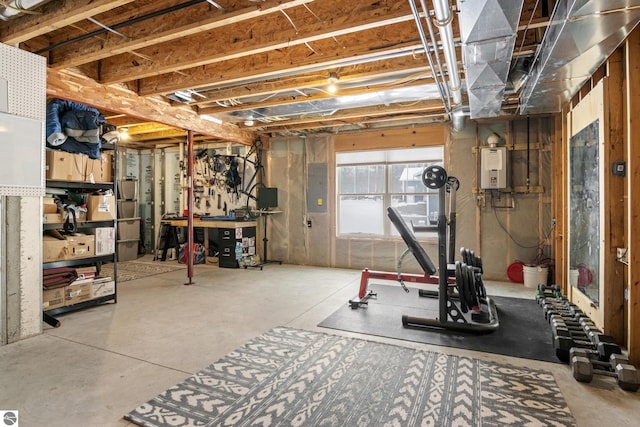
81,286
63,166
128,221
72,236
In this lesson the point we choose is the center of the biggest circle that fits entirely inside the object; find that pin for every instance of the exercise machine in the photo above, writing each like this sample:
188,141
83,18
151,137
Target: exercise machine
462,301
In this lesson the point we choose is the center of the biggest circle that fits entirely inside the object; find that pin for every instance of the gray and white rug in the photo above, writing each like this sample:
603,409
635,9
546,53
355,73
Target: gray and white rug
132,270
291,377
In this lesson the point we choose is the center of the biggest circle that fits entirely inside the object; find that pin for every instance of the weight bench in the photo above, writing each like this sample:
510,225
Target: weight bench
484,317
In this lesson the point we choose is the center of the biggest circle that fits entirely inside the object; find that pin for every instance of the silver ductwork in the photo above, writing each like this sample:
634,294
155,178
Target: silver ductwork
16,7
488,33
581,35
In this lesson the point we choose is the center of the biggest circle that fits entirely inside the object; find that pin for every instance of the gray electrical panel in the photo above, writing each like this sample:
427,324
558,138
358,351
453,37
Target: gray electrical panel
317,187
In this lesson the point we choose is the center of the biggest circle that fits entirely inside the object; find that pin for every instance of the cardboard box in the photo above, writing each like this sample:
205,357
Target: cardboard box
63,166
82,246
78,291
105,240
70,247
53,298
86,272
103,287
49,205
52,218
101,207
54,249
99,170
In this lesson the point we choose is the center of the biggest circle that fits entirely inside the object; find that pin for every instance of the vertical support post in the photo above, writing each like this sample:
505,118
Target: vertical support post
442,254
632,214
189,247
452,221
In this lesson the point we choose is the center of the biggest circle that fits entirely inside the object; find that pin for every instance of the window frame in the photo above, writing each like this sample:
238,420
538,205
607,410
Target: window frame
388,231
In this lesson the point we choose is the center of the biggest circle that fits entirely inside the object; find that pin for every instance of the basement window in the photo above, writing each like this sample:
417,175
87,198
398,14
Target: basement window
370,181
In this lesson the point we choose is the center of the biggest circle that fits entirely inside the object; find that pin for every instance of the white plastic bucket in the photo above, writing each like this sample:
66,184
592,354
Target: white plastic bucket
574,274
534,275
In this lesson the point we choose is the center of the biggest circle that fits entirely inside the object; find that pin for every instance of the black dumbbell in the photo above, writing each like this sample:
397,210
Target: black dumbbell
584,329
563,344
576,333
554,303
588,332
579,321
544,292
626,375
610,364
565,311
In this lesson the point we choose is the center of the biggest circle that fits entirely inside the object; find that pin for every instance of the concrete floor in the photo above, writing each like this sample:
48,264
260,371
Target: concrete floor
105,361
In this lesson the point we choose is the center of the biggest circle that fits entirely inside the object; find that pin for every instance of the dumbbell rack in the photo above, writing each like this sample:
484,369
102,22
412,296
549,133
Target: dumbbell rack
577,341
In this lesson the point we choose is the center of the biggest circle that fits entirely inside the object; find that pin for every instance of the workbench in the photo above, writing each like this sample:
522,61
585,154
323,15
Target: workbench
230,234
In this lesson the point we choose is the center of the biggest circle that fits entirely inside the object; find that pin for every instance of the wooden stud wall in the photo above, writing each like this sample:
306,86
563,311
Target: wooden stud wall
620,299
632,92
613,300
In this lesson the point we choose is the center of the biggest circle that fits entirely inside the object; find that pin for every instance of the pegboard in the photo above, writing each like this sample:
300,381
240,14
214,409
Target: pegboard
26,77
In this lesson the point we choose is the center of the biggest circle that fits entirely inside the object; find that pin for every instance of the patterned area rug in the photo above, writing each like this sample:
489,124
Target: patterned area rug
291,377
131,270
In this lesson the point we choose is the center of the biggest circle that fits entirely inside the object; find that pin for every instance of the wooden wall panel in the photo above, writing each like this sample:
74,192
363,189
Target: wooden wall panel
632,91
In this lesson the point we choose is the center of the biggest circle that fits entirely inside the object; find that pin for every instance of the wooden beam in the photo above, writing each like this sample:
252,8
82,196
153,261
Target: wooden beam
613,198
164,28
414,65
392,138
81,89
558,191
263,35
295,60
632,94
55,14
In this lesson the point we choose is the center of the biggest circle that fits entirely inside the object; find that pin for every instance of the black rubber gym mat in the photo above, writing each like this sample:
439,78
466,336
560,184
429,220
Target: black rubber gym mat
523,330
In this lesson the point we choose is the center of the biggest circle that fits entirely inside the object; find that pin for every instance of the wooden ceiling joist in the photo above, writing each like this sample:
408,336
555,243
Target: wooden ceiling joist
163,28
239,42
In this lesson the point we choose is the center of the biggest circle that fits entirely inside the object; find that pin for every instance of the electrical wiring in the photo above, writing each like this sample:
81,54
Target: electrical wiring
538,245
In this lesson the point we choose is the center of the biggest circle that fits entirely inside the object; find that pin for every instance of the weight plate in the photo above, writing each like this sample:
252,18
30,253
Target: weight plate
434,177
452,181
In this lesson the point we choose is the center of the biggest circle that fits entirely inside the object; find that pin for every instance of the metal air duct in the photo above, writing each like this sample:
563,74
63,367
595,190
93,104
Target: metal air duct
581,35
488,33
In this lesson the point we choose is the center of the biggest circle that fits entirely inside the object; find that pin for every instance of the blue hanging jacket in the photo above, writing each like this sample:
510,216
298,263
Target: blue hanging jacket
74,127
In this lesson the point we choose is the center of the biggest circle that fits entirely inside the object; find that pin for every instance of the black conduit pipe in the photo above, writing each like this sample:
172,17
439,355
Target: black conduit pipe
122,25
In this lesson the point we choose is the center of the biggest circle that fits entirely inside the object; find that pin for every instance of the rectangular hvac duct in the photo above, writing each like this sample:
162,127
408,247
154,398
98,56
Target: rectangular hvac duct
581,35
488,33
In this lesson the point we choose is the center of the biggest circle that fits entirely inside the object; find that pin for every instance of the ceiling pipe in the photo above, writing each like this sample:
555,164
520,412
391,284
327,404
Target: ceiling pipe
17,7
433,37
444,19
425,43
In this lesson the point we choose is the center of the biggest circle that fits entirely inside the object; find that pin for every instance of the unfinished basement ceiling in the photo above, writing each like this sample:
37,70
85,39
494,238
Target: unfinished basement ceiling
266,66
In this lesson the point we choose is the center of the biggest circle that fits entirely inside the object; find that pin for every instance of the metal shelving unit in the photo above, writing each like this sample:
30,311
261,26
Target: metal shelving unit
90,261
